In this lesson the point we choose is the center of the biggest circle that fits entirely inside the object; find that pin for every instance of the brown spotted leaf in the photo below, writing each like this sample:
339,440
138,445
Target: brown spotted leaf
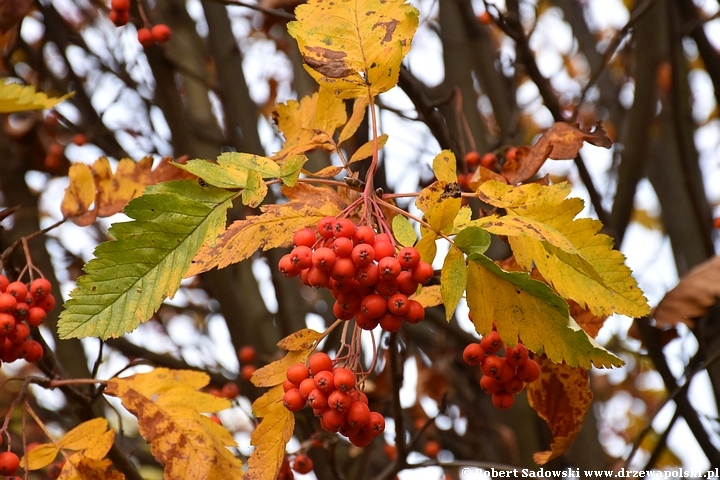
354,47
561,141
107,192
273,228
169,409
561,397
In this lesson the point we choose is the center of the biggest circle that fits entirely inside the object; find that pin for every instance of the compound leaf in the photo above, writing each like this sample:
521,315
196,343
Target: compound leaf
592,273
169,409
354,48
526,309
144,263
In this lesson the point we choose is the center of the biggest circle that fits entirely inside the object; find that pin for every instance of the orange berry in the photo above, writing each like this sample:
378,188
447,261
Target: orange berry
489,161
145,37
472,159
246,372
230,390
120,5
431,448
246,354
484,18
161,32
119,17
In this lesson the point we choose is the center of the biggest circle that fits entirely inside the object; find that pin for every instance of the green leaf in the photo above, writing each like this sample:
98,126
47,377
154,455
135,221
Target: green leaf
247,161
291,168
473,241
223,176
21,98
444,166
131,275
453,280
526,309
403,231
255,191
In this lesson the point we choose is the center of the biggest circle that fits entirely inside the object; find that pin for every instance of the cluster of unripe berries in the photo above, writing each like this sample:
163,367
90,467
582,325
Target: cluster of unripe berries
368,278
334,397
489,160
22,306
502,377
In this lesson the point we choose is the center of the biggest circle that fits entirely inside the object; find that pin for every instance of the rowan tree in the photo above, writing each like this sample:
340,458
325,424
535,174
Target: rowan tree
233,231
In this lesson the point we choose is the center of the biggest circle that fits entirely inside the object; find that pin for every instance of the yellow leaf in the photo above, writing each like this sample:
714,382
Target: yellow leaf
111,192
274,373
270,436
84,434
366,150
462,220
41,456
453,280
327,172
429,195
429,296
168,407
101,446
301,125
80,194
444,166
330,112
596,276
403,231
21,98
255,190
561,397
273,228
529,310
441,202
358,115
426,247
354,47
300,340
78,467
524,227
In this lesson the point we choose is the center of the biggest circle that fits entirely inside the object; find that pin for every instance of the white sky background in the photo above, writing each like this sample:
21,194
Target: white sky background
411,149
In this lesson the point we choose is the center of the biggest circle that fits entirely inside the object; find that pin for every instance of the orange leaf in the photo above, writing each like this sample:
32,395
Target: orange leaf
561,397
561,141
270,436
691,298
111,192
273,228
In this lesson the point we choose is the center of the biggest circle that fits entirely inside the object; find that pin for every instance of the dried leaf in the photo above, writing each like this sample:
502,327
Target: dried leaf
111,192
359,52
691,298
273,228
168,406
561,397
560,142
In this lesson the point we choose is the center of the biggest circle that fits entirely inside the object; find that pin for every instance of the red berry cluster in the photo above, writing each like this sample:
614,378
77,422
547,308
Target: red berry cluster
502,377
489,160
333,395
159,33
22,306
370,281
120,12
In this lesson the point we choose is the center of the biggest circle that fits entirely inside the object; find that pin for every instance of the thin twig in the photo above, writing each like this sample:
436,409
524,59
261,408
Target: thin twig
254,6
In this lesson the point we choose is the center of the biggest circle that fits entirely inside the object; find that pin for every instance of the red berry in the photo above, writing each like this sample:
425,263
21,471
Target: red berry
325,382
390,322
432,448
505,372
230,390
342,247
323,258
492,343
473,354
36,316
383,249
119,17
246,372
318,278
302,464
306,386
333,419
373,306
387,286
408,257
365,322
4,282
9,463
326,226
287,267
161,32
246,354
503,400
31,351
389,267
320,362
415,313
368,275
21,311
406,284
7,323
18,290
339,400
305,237
297,373
293,401
344,379
145,37
489,385
376,425
516,355
287,385
317,400
344,269
301,257
422,273
515,385
364,234
398,304
472,159
489,161
491,364
361,439
358,414
47,303
120,5
344,227
511,154
363,255
79,139
40,288
529,372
